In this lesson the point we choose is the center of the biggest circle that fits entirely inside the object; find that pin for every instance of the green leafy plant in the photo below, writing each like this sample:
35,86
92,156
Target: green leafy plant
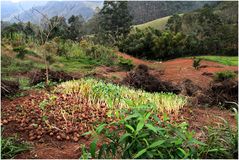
143,135
22,51
102,54
222,141
42,85
221,76
196,63
126,64
10,147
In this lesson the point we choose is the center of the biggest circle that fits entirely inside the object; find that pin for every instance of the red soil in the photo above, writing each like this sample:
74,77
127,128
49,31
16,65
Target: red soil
175,71
179,69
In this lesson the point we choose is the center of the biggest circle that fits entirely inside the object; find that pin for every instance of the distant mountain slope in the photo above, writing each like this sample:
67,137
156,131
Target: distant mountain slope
227,11
10,9
145,11
60,8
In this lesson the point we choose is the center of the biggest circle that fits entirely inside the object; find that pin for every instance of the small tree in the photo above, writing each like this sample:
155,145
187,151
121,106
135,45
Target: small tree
115,20
196,63
45,29
75,30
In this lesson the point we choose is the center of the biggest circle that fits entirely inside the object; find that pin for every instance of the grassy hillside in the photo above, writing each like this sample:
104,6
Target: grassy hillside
226,10
156,24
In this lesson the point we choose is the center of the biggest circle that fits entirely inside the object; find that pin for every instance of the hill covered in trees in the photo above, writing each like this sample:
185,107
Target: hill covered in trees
145,11
209,30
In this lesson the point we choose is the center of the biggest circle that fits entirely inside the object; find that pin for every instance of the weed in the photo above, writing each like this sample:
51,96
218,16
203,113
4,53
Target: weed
196,62
222,141
10,147
125,64
224,75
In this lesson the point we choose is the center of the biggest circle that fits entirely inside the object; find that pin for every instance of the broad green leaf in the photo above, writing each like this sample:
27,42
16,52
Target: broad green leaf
143,135
147,116
140,153
100,128
131,116
93,147
151,127
140,125
130,127
157,143
183,152
86,133
122,138
147,143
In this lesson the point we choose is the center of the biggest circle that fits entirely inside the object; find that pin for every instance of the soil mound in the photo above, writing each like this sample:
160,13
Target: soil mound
9,87
188,88
56,76
218,93
226,90
140,78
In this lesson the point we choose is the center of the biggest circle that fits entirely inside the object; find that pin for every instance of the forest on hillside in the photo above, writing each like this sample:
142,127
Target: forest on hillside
97,86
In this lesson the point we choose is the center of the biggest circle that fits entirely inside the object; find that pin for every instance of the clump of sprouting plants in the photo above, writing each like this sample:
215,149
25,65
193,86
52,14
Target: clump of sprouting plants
97,92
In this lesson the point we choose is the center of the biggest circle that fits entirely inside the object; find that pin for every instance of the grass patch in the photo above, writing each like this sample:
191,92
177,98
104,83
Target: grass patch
221,76
226,60
10,147
74,64
10,65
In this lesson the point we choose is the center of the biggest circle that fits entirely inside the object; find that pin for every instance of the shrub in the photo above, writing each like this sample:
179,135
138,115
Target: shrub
143,135
126,64
196,63
221,76
22,52
103,55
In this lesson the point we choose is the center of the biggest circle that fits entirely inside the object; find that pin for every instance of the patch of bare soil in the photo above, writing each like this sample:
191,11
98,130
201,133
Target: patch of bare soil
178,70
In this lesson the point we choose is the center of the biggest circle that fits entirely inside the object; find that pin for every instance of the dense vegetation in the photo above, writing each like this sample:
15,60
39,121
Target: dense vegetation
202,32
